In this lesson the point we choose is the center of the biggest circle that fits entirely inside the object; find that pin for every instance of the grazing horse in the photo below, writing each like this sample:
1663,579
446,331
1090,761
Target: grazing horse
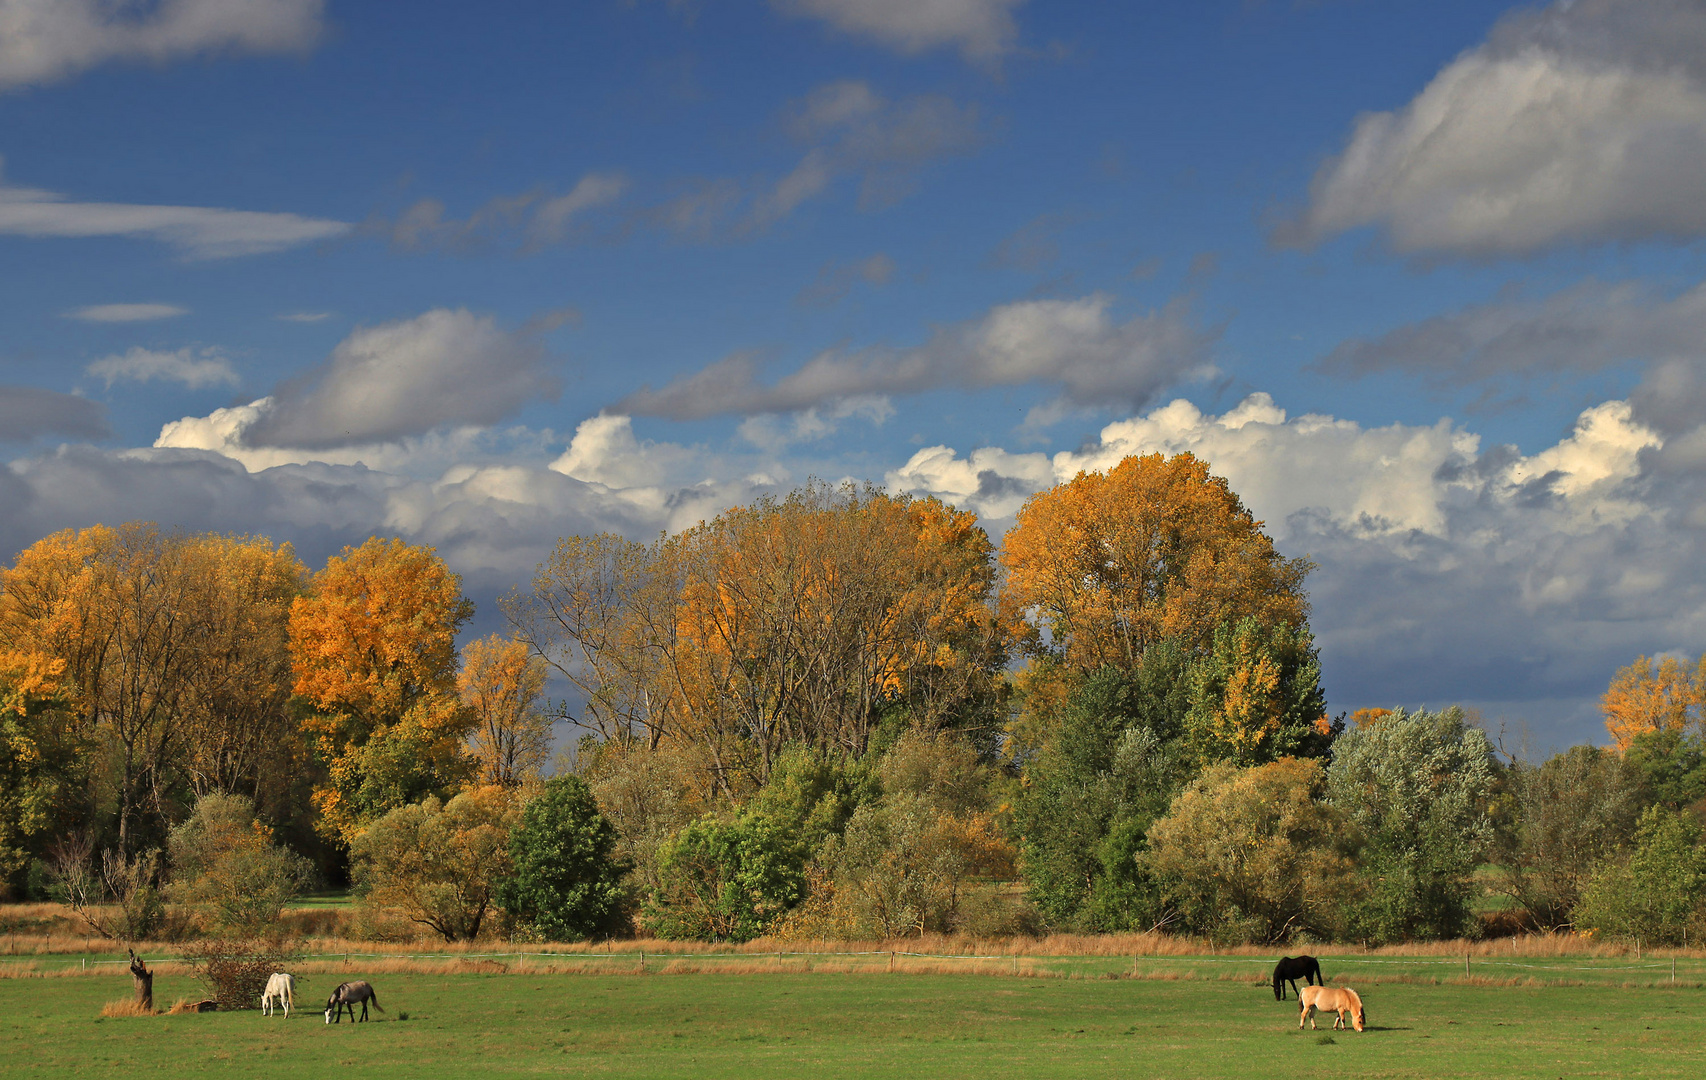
1341,1000
346,996
1292,968
281,988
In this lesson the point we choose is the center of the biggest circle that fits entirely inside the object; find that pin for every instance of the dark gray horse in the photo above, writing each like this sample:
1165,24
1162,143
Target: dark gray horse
346,996
1292,968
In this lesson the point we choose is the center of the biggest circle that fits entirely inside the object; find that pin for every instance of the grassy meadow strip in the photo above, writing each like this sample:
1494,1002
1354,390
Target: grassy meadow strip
796,1024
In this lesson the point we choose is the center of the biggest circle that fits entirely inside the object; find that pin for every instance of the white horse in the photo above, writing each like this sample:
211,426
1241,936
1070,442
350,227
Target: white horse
280,988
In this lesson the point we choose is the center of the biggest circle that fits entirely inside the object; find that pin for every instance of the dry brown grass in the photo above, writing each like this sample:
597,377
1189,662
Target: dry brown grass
126,1007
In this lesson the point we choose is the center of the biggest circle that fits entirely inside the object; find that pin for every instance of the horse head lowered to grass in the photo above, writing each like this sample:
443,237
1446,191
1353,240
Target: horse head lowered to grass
346,996
1340,1000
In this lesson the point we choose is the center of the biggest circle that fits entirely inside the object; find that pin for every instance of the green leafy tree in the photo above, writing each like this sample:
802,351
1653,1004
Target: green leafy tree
566,884
1256,696
1256,854
1654,894
724,880
1418,787
1669,764
1573,811
1106,773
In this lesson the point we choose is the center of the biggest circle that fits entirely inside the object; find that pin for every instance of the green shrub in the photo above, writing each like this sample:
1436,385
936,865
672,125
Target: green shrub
566,884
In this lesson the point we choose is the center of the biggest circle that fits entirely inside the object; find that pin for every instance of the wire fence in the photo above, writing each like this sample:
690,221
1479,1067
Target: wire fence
1564,970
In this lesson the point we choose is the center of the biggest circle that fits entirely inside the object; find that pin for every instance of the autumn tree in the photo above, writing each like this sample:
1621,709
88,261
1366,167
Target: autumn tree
807,620
42,760
1666,695
1156,552
1155,548
241,738
171,653
501,682
373,654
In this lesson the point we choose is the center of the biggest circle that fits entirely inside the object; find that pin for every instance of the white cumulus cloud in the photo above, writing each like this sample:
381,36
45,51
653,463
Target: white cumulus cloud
382,383
1584,122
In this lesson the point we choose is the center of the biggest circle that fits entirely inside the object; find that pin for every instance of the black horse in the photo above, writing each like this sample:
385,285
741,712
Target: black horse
1292,968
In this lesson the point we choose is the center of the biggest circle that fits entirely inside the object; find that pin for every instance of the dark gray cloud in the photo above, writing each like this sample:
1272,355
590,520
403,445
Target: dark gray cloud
29,412
1587,328
1074,345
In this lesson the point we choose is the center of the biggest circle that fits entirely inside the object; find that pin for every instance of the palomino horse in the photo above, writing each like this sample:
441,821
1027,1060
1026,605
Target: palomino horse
281,988
1292,968
346,996
1340,1000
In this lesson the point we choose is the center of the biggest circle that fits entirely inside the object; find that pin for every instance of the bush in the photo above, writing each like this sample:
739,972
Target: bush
723,881
1255,854
224,863
566,884
438,864
235,970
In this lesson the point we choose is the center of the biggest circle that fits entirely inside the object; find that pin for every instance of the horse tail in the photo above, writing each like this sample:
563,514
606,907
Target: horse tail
371,996
1315,966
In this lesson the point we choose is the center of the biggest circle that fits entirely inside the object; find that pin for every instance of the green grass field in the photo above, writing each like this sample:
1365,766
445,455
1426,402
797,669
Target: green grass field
858,1025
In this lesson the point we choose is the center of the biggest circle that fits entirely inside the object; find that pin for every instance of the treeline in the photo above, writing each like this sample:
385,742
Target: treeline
838,713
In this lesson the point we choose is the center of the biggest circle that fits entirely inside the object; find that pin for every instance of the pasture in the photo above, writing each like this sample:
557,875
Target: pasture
699,1021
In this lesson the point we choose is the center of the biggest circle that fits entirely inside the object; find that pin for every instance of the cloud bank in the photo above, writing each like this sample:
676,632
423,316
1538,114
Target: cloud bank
43,41
1074,345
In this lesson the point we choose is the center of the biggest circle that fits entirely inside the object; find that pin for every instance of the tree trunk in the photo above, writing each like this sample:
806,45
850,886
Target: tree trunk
144,980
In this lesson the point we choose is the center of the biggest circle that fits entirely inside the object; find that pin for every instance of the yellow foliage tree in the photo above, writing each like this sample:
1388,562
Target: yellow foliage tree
1647,696
1155,548
373,651
167,643
501,682
801,620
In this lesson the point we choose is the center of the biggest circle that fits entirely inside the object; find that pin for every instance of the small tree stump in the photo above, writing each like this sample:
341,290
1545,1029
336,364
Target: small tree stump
144,980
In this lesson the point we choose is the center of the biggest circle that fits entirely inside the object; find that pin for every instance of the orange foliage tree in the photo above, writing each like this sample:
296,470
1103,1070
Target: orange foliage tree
1647,696
802,620
1156,548
161,642
1104,569
373,650
501,682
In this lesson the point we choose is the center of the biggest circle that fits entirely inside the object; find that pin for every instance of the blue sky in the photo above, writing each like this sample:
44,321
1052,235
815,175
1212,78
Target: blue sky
1420,279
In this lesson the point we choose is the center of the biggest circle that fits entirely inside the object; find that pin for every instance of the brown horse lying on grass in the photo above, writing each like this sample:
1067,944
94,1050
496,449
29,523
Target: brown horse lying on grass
1339,999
